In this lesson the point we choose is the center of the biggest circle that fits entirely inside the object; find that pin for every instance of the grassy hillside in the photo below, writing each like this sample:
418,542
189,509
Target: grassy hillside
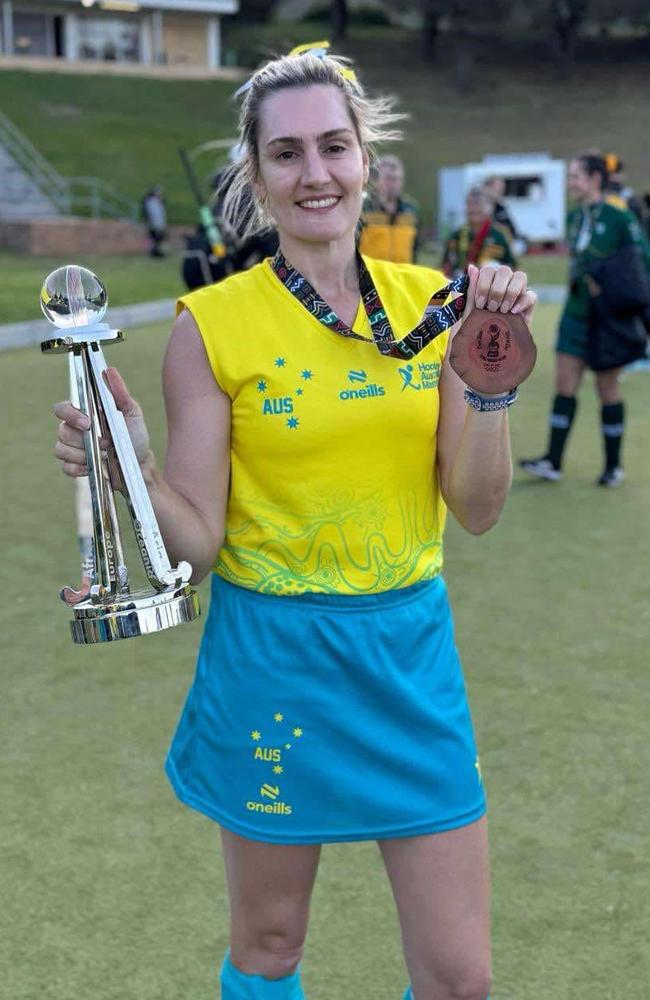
128,130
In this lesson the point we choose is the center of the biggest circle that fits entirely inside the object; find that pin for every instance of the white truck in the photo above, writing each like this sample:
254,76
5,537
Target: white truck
535,193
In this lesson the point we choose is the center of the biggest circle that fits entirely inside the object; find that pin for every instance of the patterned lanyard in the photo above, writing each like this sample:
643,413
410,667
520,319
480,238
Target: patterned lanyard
438,317
585,229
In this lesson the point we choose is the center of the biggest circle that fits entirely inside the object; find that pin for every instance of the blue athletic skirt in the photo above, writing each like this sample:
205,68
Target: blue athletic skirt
328,717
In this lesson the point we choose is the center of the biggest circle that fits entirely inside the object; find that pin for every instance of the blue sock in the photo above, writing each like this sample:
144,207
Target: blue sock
236,985
409,995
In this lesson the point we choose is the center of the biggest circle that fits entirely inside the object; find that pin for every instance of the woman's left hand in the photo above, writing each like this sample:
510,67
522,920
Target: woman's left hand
499,289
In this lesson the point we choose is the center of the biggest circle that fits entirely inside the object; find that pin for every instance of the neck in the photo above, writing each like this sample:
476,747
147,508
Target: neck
389,201
330,267
593,199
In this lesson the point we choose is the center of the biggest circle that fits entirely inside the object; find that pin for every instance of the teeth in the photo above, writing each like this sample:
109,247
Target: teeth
319,203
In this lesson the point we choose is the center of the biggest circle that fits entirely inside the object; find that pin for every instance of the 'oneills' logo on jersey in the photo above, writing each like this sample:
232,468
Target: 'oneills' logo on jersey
360,377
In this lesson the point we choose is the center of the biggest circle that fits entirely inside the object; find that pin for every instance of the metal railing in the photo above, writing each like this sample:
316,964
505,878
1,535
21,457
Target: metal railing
32,163
86,196
91,196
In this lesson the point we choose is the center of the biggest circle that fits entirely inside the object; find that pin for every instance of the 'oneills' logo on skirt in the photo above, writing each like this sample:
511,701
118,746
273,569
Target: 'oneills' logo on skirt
270,792
279,808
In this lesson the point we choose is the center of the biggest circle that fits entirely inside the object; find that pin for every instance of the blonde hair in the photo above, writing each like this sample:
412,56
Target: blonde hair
373,120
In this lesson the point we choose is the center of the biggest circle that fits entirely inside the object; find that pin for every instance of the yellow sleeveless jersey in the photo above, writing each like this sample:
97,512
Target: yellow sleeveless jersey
333,446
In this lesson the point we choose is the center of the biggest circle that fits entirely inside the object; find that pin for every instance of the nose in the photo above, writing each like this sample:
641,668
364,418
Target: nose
314,168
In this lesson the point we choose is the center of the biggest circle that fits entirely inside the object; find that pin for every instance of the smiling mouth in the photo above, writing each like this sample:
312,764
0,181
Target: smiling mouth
312,204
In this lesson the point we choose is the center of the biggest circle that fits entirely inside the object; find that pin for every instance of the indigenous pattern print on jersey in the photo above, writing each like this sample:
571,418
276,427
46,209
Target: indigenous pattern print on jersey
333,445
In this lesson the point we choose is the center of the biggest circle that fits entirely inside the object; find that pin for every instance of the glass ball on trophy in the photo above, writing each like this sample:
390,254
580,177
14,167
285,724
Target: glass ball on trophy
73,296
74,300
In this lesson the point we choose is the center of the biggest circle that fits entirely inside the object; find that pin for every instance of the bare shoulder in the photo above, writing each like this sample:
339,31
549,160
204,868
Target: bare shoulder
186,367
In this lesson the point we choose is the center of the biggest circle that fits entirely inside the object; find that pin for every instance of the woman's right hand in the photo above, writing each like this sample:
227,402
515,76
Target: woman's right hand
69,447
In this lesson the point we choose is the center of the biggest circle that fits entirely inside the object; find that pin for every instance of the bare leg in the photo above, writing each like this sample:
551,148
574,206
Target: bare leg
270,887
441,886
568,374
608,386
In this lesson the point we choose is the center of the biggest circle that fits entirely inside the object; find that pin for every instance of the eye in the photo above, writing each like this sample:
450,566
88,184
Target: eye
286,154
336,147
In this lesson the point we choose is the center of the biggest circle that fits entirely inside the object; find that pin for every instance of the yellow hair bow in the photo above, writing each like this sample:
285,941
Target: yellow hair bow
318,49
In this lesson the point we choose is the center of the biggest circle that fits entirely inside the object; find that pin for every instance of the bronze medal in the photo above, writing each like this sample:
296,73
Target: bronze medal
493,352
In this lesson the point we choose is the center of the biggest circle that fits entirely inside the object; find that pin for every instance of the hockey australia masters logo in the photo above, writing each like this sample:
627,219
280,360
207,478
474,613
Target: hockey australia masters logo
421,376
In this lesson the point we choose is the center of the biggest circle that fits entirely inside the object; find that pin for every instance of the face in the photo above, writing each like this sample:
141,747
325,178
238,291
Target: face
496,187
312,168
477,212
580,185
390,181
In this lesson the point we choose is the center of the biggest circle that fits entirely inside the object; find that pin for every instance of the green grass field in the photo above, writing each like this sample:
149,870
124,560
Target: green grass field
92,125
113,891
140,279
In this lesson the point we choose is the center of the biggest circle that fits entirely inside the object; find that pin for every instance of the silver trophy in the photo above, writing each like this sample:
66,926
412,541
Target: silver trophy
74,300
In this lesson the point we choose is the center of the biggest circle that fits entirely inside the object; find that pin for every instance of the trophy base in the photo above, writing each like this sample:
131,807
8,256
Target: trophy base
128,616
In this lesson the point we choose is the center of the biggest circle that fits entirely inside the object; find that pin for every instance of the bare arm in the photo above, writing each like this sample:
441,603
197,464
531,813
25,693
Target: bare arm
190,497
474,459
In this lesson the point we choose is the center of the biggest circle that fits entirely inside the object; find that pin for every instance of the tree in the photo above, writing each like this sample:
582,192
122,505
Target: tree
567,18
255,11
432,11
339,16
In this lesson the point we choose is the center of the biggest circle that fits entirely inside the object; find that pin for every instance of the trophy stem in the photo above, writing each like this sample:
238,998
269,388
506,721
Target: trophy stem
104,577
150,541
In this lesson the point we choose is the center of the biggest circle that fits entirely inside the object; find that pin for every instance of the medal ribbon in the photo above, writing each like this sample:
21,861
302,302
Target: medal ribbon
438,317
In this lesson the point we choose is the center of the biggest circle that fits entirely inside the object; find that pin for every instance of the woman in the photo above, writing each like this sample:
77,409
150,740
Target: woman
607,244
312,471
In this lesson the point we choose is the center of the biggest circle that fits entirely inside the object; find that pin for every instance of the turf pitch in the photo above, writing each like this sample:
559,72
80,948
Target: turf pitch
113,890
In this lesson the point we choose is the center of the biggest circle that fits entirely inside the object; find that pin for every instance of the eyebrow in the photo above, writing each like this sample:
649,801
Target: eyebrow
298,142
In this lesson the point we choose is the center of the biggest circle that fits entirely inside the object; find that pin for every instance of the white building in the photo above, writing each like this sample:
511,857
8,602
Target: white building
175,33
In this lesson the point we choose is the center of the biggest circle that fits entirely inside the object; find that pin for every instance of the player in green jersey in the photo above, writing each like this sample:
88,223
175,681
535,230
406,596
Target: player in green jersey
595,230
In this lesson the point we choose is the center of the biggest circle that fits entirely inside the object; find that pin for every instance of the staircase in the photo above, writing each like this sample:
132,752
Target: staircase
31,189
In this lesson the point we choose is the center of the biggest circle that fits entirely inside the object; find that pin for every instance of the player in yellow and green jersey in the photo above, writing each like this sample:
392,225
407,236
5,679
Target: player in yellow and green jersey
596,230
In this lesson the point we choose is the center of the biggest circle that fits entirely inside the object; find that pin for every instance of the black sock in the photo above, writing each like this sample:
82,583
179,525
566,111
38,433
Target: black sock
560,419
612,418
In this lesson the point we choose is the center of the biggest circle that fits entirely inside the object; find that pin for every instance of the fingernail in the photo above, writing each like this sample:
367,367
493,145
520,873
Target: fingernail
480,301
493,305
515,309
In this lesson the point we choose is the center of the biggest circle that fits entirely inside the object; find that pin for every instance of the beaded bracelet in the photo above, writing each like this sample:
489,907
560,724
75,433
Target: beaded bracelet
490,404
